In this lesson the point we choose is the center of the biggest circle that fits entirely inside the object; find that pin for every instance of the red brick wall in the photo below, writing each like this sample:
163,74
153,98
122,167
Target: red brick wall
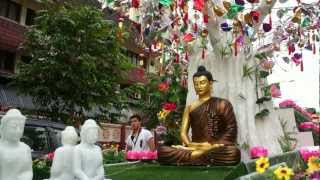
11,34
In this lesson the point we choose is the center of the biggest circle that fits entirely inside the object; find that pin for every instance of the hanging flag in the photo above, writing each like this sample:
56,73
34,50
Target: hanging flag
198,5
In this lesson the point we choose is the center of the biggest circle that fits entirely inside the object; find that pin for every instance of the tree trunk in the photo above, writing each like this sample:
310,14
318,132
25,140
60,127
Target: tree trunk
241,92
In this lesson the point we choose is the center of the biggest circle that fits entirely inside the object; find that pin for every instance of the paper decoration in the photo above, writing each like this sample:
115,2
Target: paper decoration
198,4
166,2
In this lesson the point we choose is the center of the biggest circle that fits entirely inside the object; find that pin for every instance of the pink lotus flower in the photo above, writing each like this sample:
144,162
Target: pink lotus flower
306,125
287,103
144,155
275,91
169,106
307,152
258,151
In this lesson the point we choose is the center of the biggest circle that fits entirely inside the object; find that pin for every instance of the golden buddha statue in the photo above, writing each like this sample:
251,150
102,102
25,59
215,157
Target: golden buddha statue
213,126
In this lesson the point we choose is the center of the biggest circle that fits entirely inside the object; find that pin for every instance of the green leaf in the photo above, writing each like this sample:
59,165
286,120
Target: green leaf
262,113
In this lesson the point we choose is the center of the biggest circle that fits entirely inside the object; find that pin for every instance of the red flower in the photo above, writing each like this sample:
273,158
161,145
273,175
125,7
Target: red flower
169,106
50,156
163,86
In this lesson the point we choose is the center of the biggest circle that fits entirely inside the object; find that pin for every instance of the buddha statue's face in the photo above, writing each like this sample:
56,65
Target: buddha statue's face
92,135
12,130
202,85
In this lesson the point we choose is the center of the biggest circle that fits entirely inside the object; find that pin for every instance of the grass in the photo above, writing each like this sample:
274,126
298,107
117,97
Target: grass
148,171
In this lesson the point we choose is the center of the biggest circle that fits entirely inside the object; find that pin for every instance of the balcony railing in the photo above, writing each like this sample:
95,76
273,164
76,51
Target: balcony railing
11,34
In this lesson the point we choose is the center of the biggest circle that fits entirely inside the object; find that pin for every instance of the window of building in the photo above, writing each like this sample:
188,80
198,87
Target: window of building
31,14
10,9
7,61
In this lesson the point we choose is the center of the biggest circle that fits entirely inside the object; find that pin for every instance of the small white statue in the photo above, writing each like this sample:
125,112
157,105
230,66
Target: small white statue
15,156
87,160
62,166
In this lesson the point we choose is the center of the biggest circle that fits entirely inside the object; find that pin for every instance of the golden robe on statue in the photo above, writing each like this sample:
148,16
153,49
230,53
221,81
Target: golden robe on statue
213,121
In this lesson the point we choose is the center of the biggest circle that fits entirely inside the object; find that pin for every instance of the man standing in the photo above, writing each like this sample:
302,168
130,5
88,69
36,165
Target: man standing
140,139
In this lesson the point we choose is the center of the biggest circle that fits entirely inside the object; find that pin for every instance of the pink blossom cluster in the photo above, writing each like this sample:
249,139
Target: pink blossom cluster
161,130
275,91
141,155
258,151
290,103
308,151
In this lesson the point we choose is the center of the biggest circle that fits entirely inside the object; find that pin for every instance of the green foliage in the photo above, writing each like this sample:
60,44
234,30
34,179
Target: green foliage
261,56
287,142
262,113
76,62
248,71
263,99
41,169
263,74
153,99
112,156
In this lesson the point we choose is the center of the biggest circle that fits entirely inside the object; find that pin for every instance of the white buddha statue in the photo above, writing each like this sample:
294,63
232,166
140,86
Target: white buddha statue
87,160
62,166
15,156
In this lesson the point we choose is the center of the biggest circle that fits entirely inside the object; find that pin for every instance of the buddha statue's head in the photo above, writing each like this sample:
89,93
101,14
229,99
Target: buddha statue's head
12,126
89,132
202,81
69,136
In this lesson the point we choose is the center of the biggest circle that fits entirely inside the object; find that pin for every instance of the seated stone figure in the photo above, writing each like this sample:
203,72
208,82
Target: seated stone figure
15,156
213,126
62,166
87,158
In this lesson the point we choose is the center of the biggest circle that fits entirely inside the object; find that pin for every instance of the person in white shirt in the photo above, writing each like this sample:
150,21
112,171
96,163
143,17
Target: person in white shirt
139,139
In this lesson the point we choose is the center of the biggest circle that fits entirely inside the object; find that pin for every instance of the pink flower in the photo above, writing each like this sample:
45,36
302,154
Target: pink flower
161,130
316,128
275,91
50,156
306,125
164,86
169,106
307,152
258,151
267,64
287,103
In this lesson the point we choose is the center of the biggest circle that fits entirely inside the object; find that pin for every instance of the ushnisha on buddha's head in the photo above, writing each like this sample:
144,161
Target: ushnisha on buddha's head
69,136
202,81
89,132
12,126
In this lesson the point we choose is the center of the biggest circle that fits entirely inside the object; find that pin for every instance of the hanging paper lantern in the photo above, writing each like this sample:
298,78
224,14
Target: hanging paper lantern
205,18
198,4
269,1
306,22
225,27
218,10
266,27
297,15
234,10
135,3
248,19
188,37
240,2
237,26
291,48
253,1
166,3
255,16
226,5
204,33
